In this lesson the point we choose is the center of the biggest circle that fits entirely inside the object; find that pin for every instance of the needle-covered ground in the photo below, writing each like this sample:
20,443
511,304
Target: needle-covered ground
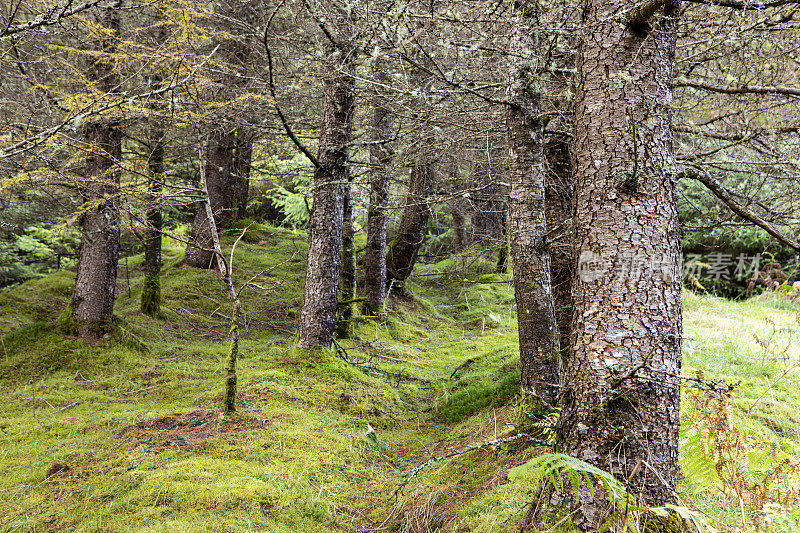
126,435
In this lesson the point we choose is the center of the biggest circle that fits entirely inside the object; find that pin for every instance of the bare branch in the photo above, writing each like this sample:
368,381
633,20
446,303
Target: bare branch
727,197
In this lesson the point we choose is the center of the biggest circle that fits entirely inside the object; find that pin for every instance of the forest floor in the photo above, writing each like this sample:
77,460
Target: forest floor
125,434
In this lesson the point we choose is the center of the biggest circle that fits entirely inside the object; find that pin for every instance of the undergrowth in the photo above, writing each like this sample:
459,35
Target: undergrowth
117,435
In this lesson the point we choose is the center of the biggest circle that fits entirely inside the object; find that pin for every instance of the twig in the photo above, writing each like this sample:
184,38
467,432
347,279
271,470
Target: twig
493,443
73,404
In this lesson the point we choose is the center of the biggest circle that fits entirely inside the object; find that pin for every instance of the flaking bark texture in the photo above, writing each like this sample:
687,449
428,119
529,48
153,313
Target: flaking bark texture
413,227
618,410
381,154
95,283
221,181
320,297
538,336
558,206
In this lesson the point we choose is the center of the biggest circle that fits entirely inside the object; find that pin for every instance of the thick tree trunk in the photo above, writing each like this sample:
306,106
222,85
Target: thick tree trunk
95,284
558,207
412,229
320,297
242,161
619,411
219,169
150,302
538,336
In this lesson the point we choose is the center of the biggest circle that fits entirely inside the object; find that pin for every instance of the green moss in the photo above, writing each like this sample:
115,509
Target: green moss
151,295
472,398
303,457
66,323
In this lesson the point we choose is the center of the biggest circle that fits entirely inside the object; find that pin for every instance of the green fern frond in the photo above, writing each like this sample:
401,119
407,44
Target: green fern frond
557,467
698,468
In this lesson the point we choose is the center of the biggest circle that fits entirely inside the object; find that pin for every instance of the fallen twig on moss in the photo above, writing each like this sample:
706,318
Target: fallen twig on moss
493,443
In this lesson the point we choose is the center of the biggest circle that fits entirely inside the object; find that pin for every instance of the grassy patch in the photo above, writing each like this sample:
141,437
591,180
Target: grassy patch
108,436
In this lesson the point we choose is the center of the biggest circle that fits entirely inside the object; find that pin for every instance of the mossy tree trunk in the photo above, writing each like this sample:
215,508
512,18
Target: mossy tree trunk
413,227
226,271
620,412
538,334
459,225
92,305
502,251
321,293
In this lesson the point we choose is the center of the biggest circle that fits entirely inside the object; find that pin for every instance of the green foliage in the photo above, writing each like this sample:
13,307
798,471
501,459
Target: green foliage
558,468
428,377
34,241
291,193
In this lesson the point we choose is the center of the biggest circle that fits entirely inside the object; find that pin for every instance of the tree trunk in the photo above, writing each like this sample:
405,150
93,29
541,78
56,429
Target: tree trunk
150,302
242,161
320,297
348,281
381,154
502,252
95,284
459,226
412,229
558,207
219,169
619,412
538,335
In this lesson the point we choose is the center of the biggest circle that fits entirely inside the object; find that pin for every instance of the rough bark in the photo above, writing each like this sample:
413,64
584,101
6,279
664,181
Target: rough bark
92,306
220,178
558,207
618,411
381,154
412,228
320,297
538,336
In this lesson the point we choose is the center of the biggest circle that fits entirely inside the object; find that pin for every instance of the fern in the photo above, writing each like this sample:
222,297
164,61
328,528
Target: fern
698,469
555,468
558,468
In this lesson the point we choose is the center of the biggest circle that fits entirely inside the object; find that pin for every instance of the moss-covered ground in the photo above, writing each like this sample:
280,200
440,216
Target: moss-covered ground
124,435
